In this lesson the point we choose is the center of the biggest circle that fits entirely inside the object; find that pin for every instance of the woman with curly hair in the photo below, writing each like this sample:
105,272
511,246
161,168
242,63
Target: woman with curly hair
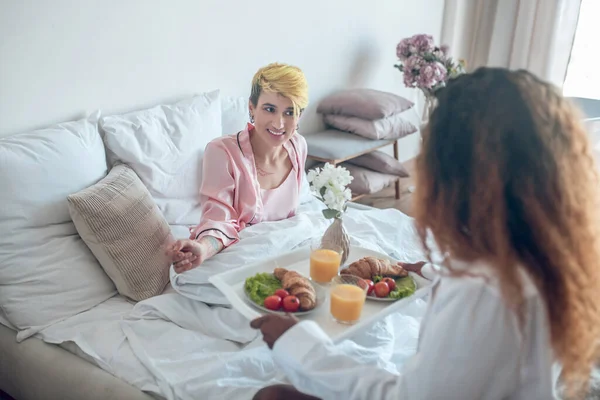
508,188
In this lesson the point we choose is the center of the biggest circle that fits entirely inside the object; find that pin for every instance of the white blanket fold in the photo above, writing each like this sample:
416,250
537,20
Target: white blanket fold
201,363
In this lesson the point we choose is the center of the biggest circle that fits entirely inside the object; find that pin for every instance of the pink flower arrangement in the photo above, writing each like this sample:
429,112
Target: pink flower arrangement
426,66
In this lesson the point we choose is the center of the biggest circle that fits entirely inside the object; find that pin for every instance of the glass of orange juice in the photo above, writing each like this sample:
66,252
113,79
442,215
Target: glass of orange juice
347,297
325,260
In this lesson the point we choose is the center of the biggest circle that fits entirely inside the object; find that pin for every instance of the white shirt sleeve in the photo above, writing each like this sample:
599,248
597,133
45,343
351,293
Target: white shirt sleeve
429,271
468,350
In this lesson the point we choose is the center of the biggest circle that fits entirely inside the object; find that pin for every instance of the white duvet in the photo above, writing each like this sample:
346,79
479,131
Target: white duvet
177,346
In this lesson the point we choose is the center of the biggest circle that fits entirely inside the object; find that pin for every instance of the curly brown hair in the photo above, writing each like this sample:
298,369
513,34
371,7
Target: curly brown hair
506,175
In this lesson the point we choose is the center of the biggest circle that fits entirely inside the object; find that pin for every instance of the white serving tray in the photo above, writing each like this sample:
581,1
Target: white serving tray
231,283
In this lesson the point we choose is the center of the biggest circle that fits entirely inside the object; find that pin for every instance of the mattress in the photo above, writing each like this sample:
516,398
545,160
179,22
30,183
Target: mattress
33,370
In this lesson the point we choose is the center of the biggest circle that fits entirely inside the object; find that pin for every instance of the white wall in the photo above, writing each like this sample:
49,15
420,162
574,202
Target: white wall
61,59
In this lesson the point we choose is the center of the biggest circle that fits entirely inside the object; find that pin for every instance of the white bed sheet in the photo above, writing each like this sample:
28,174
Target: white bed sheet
96,335
177,347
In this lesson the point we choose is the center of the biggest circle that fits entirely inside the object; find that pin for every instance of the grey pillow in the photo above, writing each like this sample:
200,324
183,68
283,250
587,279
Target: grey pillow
381,162
123,227
364,103
367,181
392,127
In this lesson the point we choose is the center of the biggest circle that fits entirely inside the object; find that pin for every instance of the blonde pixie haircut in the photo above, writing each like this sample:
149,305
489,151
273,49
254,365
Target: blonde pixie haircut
286,80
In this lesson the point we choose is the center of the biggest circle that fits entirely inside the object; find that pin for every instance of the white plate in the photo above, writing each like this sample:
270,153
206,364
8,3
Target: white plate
320,292
231,284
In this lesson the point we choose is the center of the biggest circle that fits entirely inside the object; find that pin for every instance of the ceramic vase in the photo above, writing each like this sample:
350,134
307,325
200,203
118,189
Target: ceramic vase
336,234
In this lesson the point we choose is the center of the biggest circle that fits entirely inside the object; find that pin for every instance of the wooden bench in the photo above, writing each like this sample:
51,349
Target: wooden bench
335,147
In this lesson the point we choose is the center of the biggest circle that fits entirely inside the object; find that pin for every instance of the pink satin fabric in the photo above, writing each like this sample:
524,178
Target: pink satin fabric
274,200
230,194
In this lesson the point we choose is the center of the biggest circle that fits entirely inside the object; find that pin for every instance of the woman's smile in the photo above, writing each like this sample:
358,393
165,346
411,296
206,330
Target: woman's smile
276,132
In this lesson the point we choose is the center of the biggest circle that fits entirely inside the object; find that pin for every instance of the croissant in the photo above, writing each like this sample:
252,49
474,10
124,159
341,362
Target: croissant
368,267
299,286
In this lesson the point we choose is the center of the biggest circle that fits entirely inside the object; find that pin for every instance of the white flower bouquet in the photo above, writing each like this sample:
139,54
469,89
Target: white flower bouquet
329,185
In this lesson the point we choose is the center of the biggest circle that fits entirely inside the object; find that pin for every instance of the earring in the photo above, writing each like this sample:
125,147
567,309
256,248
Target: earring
251,119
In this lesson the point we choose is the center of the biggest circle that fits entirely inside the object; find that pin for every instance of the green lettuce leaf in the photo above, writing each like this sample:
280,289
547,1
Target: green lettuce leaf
404,287
261,286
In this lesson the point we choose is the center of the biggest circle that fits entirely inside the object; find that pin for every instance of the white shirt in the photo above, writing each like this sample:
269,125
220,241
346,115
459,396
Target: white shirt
470,347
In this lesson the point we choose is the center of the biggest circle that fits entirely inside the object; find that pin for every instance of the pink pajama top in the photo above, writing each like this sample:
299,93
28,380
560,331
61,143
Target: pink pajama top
230,195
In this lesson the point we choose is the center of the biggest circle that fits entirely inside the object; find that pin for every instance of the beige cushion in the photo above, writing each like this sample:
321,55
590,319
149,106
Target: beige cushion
123,227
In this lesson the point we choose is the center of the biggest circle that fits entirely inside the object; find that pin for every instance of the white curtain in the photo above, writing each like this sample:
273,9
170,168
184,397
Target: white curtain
536,35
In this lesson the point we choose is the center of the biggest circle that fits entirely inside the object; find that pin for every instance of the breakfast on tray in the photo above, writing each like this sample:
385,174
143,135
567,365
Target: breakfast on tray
282,290
384,279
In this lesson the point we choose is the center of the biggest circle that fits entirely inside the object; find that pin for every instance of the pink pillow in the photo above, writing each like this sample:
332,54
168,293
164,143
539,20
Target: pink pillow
367,181
392,127
364,103
380,162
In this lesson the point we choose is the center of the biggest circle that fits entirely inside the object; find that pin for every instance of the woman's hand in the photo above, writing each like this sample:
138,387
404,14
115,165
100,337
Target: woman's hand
414,267
281,392
185,254
272,326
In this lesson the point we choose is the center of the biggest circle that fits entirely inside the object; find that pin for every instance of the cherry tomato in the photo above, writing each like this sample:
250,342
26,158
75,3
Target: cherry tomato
382,289
291,304
368,284
390,282
273,302
282,293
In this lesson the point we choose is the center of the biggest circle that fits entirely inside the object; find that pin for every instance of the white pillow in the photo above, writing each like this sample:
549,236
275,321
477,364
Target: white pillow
47,273
235,114
164,145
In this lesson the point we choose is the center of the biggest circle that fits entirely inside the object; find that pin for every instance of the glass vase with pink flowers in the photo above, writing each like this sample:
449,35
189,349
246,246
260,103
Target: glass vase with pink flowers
427,67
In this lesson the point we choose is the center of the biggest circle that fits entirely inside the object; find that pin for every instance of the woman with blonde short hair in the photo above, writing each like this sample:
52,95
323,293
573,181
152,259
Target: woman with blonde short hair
254,175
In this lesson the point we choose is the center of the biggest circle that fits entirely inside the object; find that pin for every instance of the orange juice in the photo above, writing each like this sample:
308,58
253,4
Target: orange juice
347,302
324,265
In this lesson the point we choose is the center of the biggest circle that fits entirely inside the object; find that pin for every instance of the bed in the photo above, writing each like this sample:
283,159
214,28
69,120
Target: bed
68,333
121,350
